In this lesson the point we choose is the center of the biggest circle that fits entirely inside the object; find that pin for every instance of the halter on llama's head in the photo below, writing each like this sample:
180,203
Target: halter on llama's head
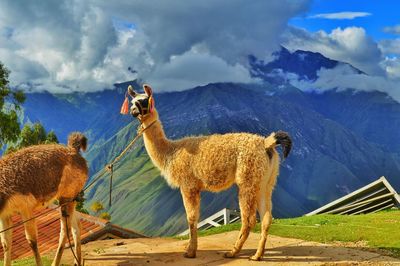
142,103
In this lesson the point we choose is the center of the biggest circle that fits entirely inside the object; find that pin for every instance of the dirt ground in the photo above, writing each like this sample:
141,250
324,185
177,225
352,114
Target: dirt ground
280,251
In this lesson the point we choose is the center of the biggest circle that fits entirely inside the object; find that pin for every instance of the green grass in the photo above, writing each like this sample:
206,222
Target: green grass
29,261
378,230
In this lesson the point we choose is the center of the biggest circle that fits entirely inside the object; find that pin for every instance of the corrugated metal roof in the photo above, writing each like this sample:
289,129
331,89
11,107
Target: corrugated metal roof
376,196
93,228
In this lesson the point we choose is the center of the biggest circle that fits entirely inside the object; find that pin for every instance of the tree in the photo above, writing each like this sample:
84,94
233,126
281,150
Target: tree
39,133
105,216
80,200
97,207
10,104
10,132
27,137
51,137
32,135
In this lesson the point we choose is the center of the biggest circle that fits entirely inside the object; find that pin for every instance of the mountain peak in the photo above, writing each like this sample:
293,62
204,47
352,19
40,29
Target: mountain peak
305,64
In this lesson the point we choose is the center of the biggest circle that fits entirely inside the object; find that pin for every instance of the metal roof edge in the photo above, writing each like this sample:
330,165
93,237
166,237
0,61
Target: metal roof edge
382,179
389,186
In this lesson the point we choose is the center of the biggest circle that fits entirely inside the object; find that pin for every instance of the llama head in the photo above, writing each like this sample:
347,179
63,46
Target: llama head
142,103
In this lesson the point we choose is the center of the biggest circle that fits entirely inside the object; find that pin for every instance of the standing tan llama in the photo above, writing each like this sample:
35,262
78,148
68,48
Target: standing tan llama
37,175
214,163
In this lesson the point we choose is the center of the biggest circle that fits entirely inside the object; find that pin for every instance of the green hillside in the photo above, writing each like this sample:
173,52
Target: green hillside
375,230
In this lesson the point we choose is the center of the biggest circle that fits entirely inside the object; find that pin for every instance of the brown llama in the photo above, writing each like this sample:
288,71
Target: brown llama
38,175
214,163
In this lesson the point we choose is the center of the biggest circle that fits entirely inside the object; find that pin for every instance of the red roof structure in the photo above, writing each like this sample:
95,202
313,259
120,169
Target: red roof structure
48,225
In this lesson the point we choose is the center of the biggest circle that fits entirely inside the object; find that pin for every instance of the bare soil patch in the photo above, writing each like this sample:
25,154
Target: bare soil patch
280,251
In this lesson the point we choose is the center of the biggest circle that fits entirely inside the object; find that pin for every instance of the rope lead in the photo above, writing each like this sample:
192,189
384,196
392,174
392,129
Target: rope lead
111,169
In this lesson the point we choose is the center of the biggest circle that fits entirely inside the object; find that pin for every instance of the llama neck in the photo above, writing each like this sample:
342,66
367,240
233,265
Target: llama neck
157,145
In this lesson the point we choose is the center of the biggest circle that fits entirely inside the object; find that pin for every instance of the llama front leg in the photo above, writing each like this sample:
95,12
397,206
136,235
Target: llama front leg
191,201
31,236
6,239
247,204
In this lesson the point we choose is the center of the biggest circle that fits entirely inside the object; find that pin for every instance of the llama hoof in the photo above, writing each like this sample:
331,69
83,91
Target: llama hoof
229,254
190,255
255,258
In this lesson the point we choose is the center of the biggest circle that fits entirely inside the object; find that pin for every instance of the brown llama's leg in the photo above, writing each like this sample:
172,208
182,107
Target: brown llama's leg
265,211
31,235
65,215
247,204
76,234
6,239
191,201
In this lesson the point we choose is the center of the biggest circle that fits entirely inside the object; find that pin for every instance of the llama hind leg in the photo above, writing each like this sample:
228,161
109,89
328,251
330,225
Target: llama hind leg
6,239
64,220
247,203
191,201
31,235
76,234
265,211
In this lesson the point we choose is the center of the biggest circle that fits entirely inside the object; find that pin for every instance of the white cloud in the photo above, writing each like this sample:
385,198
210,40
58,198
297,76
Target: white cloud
392,68
22,69
390,46
73,45
392,29
193,69
391,62
341,15
351,45
63,41
230,29
343,77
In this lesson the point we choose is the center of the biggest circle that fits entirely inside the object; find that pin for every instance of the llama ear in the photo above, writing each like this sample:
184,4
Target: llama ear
131,91
147,90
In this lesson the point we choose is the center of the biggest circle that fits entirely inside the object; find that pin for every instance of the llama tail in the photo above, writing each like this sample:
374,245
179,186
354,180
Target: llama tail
77,141
279,138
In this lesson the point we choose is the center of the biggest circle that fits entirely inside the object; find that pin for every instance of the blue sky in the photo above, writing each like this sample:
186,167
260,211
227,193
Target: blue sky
383,13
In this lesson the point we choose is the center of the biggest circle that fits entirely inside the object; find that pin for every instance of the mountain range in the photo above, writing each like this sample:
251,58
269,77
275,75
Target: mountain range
341,139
